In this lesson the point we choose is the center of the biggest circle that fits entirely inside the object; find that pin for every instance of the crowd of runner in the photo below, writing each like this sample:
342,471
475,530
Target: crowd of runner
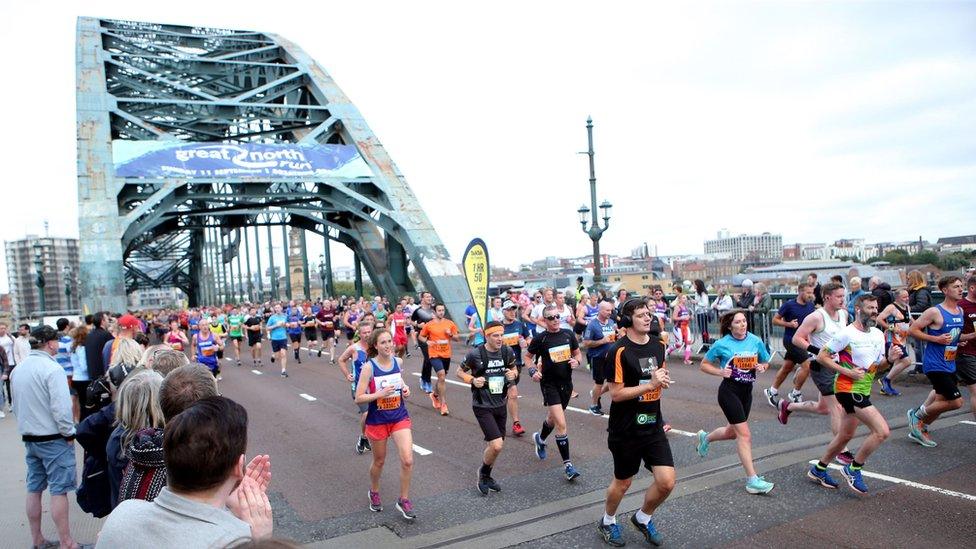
131,376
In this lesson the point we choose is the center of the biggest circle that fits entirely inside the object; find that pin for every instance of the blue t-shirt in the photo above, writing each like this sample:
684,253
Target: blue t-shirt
791,310
64,354
294,315
470,310
513,333
595,332
744,355
479,338
279,332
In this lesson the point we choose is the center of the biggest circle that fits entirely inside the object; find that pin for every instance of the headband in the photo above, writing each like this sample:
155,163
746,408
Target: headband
494,330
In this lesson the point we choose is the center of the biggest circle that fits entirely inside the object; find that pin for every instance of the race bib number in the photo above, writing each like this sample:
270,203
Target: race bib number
511,339
744,367
391,402
950,353
496,384
328,325
440,347
177,346
651,396
559,354
207,351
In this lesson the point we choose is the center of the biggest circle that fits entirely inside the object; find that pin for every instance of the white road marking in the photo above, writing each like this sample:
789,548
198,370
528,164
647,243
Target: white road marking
447,380
421,450
256,372
967,422
909,483
309,398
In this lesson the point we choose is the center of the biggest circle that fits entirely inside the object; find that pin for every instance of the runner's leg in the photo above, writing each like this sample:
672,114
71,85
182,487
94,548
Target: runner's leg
376,468
404,443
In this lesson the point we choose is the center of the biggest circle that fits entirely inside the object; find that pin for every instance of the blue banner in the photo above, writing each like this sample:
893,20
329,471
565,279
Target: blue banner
177,159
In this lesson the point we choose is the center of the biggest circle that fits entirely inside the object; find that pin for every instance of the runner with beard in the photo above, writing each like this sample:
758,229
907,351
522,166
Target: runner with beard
421,316
437,334
860,348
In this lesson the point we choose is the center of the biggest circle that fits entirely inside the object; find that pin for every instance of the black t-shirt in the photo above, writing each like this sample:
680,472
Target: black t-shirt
422,316
555,349
253,321
634,364
306,320
495,390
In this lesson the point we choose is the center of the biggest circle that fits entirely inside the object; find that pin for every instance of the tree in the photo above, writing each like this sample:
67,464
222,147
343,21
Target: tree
925,257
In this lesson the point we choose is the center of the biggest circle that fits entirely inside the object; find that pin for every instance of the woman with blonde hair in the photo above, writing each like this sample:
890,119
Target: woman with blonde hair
127,352
136,408
919,294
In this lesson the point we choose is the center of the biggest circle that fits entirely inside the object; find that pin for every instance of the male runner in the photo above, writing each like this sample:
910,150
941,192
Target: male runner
356,352
861,351
279,338
294,328
790,315
325,319
517,336
234,322
310,327
489,368
966,359
941,328
816,331
586,310
560,354
535,315
600,333
437,334
252,326
421,316
636,432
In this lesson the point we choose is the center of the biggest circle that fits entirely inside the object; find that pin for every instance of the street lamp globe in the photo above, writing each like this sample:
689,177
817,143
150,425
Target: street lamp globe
605,206
584,213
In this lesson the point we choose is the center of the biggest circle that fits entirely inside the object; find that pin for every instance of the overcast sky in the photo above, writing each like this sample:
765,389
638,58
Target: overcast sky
818,121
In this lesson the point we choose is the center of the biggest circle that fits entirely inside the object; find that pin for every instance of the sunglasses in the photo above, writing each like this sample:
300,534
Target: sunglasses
552,317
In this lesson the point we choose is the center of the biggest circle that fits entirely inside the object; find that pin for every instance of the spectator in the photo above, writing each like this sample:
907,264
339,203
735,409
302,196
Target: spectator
127,352
22,346
79,368
6,365
148,358
745,302
136,408
760,307
203,449
723,303
855,291
43,410
169,360
700,299
919,294
94,344
127,326
817,292
882,291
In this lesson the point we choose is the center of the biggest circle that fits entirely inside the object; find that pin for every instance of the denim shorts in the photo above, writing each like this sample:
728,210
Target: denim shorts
50,464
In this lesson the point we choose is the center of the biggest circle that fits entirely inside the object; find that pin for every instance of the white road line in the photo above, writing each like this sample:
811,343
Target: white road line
432,380
908,483
683,433
256,372
309,398
421,450
587,412
967,422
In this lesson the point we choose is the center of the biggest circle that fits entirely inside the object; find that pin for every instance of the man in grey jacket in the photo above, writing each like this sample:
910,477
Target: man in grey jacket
45,423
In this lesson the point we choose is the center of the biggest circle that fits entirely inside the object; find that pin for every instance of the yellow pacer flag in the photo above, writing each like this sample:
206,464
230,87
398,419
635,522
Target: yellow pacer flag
476,272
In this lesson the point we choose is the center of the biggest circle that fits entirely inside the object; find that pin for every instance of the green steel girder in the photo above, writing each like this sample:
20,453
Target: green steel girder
146,81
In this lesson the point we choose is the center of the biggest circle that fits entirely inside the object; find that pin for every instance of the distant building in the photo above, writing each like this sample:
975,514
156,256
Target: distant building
156,298
765,247
957,243
56,254
851,248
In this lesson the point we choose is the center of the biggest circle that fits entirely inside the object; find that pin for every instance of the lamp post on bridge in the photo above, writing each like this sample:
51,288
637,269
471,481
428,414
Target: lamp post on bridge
322,274
67,276
595,232
39,281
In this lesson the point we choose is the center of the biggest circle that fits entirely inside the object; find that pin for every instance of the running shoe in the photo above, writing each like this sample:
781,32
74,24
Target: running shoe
596,410
784,411
272,359
844,458
366,445
517,429
405,508
375,505
923,437
435,400
854,479
611,534
759,485
320,353
796,396
444,410
649,532
771,397
426,387
487,484
238,363
887,389
540,445
571,472
220,377
284,373
360,446
914,432
822,477
702,446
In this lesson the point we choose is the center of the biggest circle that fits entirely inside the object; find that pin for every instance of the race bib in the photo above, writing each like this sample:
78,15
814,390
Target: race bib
391,402
496,384
744,367
950,353
328,325
177,346
651,396
511,339
440,347
559,354
207,351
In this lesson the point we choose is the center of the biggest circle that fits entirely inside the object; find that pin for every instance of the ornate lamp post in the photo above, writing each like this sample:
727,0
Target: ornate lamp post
322,274
67,277
39,267
595,232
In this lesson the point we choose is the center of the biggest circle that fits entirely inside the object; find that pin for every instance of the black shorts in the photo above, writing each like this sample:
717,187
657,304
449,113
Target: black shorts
492,421
598,367
253,339
327,334
904,351
966,369
822,377
278,345
628,453
850,401
311,334
578,328
350,334
440,364
735,400
556,393
945,384
295,338
795,354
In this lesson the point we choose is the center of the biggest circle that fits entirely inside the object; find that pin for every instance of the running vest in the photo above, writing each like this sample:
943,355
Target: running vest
942,358
357,365
235,322
591,313
830,327
898,329
683,315
174,341
390,409
207,351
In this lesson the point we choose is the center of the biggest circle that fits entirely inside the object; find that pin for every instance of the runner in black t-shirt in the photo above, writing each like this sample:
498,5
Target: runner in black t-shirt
490,368
252,327
636,430
560,354
421,316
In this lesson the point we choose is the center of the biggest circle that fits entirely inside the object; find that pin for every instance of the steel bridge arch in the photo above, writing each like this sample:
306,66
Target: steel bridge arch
158,82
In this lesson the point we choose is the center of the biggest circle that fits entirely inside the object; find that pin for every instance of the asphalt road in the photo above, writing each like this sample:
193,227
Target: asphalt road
308,424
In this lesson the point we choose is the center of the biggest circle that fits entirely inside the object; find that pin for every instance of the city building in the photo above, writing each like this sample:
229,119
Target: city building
848,248
58,261
157,298
755,248
957,243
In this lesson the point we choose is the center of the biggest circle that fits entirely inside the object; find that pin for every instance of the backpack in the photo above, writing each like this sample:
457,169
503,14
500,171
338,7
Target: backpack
94,493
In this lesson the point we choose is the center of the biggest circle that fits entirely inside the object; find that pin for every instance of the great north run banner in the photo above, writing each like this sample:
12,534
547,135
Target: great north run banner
167,159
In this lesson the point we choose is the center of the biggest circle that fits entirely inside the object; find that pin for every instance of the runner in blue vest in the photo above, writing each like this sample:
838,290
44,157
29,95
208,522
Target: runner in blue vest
279,338
207,344
356,352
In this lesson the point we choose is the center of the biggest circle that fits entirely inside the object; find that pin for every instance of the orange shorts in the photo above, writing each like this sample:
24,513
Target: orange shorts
383,432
